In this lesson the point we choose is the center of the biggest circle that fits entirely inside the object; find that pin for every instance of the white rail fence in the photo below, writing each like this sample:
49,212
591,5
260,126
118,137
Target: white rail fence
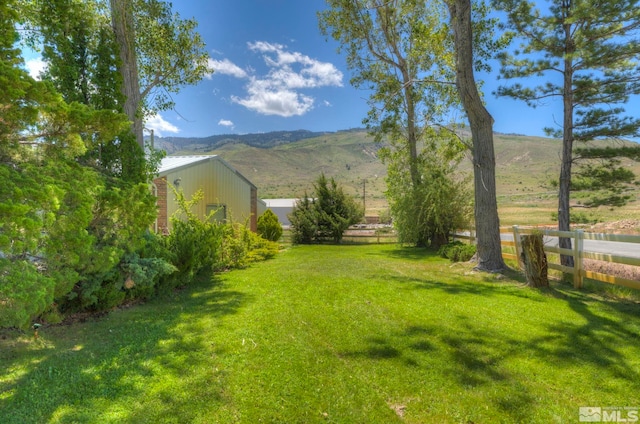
578,252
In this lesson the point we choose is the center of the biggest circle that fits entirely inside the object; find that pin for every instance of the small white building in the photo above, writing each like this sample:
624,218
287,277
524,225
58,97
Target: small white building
282,208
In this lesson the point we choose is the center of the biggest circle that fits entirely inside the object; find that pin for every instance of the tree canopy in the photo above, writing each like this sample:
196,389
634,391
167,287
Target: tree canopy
159,53
154,50
76,207
418,60
398,50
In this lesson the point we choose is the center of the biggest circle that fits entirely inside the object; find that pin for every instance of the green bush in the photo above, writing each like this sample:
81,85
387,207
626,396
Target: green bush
326,217
24,293
260,249
109,294
241,246
457,251
93,261
195,245
578,218
426,210
70,208
234,246
135,277
269,227
192,246
52,315
304,221
142,275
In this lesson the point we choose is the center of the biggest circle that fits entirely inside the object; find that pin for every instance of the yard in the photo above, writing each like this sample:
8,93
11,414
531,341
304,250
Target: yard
333,334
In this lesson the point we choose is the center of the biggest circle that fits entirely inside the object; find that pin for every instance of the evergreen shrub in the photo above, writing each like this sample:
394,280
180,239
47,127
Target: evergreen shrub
457,251
326,217
269,227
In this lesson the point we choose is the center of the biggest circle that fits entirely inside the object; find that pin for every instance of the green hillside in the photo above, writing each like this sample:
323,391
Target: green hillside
288,170
525,165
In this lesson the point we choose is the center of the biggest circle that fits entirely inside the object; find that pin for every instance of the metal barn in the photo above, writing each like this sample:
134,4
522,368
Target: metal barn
225,190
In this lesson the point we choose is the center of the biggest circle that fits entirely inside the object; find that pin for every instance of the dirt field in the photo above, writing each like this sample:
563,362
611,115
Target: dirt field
626,226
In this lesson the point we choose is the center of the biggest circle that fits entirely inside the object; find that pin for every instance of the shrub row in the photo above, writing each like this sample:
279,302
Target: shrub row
160,265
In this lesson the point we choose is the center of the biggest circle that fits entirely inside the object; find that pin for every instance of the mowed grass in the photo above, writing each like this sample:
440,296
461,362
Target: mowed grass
333,334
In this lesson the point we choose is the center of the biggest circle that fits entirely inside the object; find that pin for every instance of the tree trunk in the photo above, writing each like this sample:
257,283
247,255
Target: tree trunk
439,239
535,261
124,30
412,132
489,250
564,187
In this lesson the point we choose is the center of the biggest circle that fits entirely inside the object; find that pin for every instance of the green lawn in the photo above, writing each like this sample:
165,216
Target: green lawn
328,334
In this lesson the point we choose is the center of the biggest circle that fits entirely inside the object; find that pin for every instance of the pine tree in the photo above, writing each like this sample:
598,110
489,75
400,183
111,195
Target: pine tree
325,217
587,51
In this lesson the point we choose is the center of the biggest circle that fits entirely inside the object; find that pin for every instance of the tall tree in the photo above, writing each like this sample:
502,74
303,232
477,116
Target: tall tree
77,43
125,36
432,211
88,211
399,49
154,51
404,52
592,48
47,197
489,249
159,53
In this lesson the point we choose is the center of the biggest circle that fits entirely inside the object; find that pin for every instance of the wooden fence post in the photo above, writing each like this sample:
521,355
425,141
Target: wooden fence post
518,245
534,260
577,259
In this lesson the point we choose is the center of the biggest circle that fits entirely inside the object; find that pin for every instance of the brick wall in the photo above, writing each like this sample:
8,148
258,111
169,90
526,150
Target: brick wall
254,209
161,193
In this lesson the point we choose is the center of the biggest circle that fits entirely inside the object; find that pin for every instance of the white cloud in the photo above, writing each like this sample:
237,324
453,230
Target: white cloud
35,67
159,125
225,123
279,91
311,74
226,67
285,103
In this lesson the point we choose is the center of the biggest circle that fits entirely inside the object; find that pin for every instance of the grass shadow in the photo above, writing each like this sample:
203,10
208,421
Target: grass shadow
479,356
115,360
597,340
408,253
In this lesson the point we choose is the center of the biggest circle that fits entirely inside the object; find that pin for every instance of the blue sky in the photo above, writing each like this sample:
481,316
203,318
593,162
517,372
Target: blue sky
275,71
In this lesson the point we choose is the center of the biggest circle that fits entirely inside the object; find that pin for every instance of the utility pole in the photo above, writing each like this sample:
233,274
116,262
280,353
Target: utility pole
364,197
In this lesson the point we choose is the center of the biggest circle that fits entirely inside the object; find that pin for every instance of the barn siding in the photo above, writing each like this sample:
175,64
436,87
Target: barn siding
221,185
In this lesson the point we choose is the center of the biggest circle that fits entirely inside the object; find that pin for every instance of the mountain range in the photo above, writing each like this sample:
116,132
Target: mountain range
260,140
284,164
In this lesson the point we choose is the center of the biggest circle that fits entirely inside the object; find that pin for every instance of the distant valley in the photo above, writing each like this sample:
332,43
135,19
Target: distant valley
285,163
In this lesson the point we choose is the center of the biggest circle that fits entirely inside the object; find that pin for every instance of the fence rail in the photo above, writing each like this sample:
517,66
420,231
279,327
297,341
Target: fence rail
578,252
359,236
